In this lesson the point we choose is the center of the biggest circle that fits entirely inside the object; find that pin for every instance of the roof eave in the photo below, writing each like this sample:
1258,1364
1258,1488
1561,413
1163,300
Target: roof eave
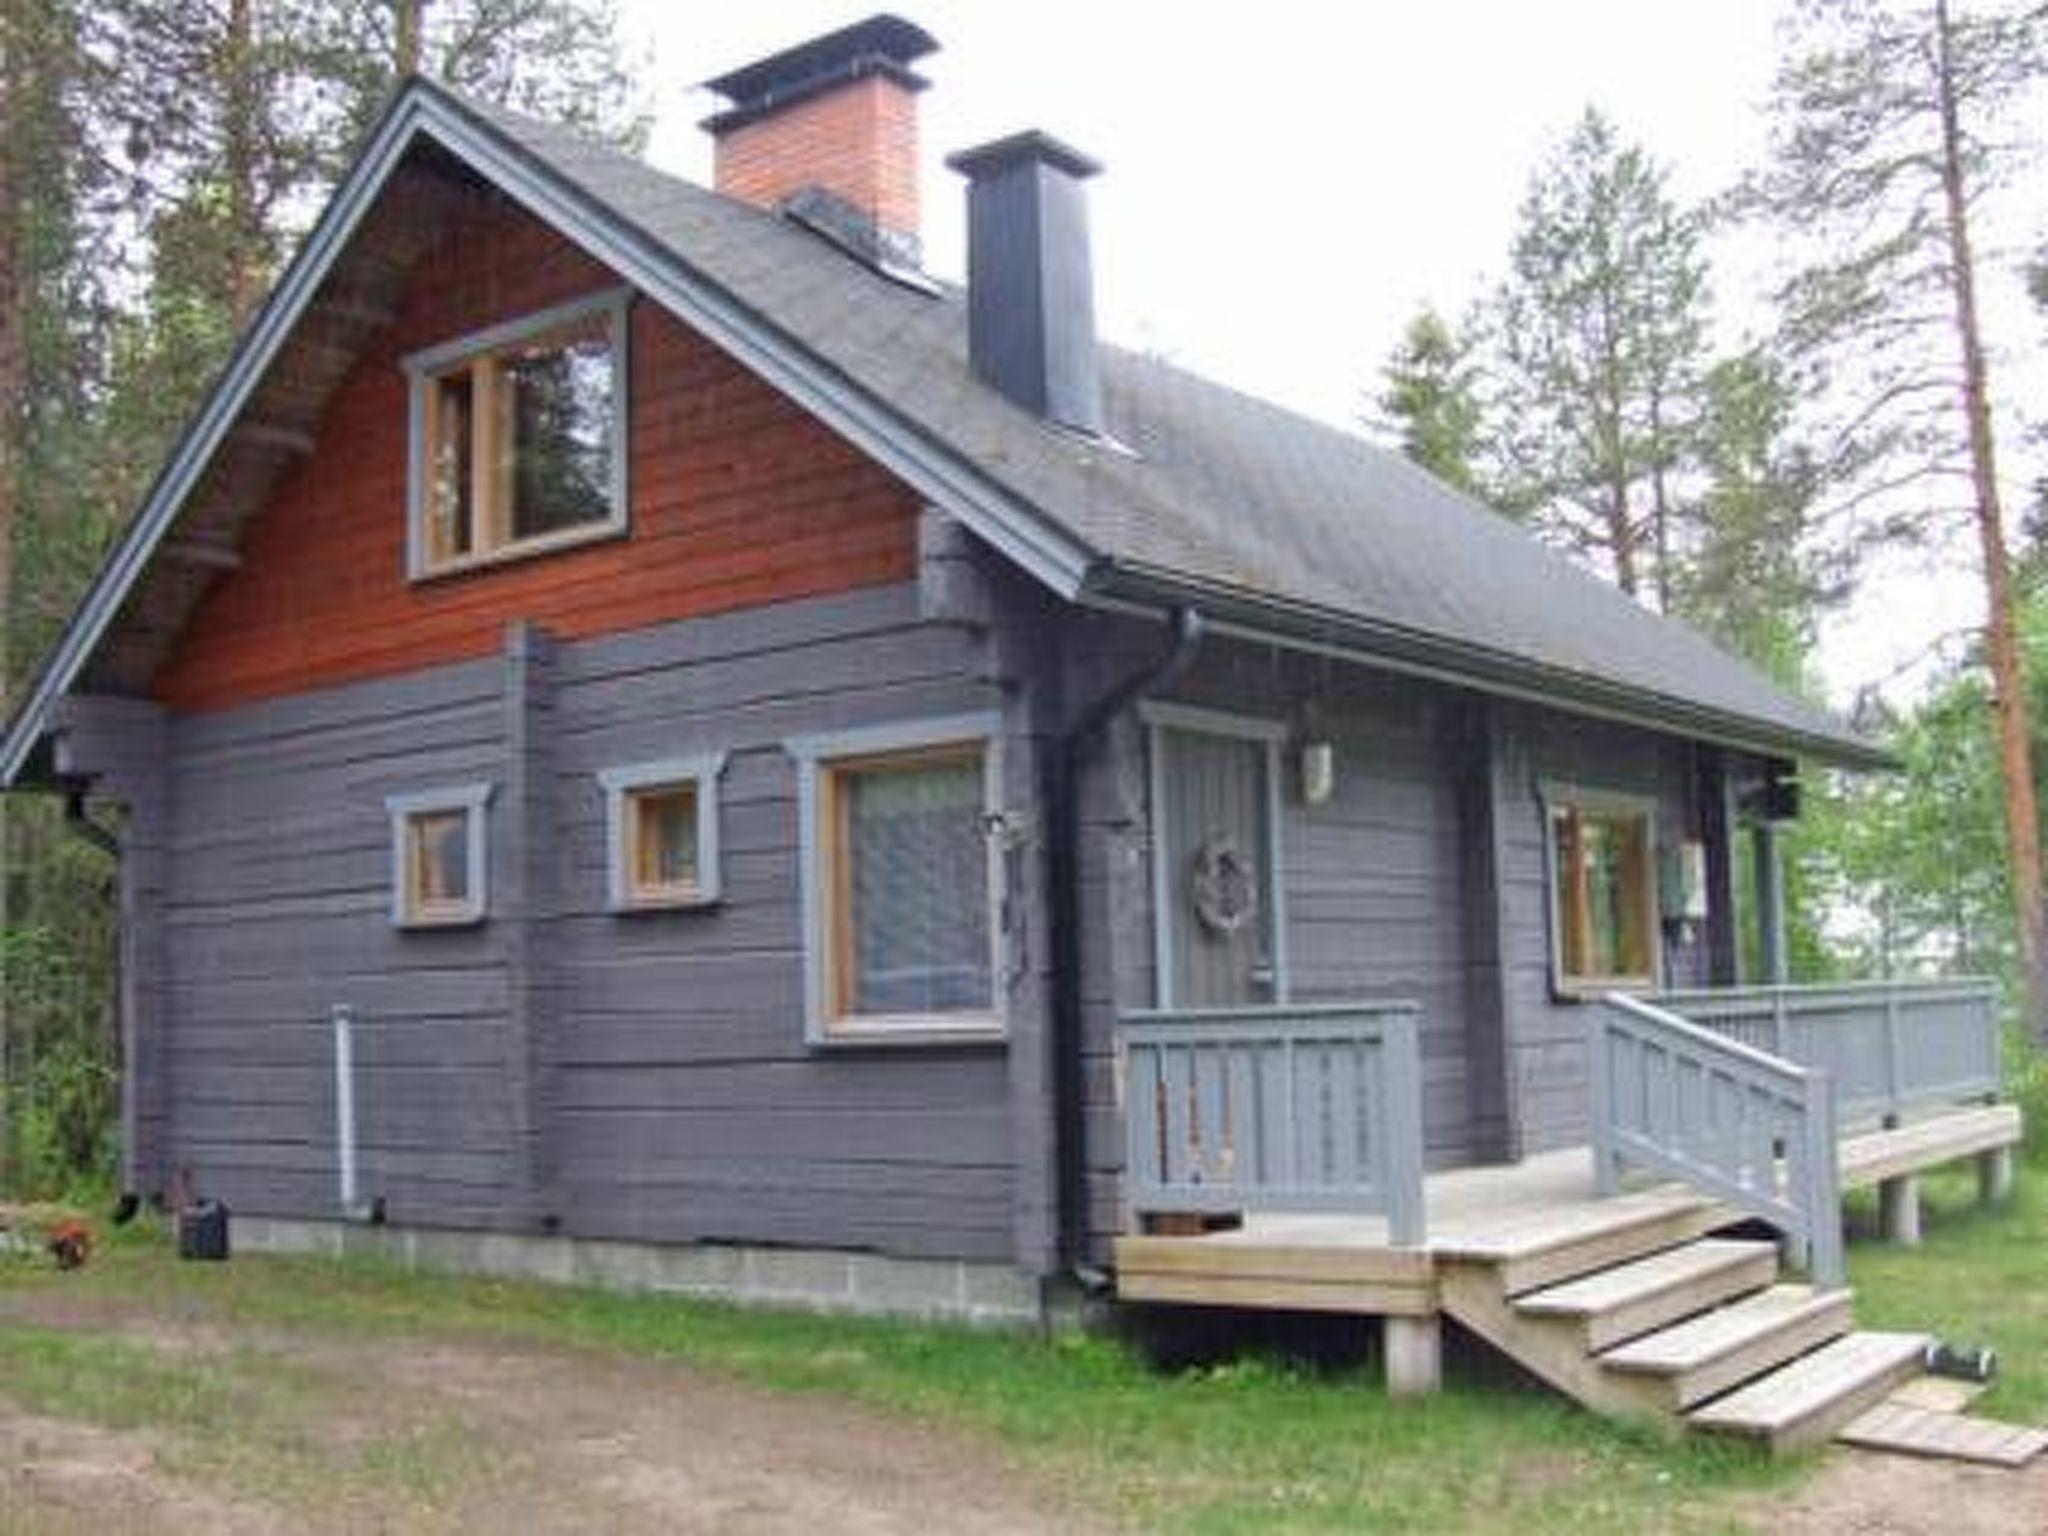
1477,667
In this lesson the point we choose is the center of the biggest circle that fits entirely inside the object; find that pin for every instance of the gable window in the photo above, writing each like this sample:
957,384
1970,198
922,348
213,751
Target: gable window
661,831
518,437
899,881
437,857
1603,895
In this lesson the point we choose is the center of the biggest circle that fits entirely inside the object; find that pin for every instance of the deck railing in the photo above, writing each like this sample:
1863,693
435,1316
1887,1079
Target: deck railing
1745,1127
1889,1047
1283,1108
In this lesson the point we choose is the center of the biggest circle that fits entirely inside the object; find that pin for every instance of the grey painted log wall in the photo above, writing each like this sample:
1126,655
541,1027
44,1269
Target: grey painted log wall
646,1076
689,1104
639,1076
1545,1038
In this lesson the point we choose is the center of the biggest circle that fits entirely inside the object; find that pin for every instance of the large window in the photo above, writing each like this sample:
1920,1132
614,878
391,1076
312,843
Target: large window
1603,896
898,874
519,437
437,857
661,824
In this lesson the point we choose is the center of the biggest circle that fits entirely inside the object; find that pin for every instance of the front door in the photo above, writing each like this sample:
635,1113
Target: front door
1214,880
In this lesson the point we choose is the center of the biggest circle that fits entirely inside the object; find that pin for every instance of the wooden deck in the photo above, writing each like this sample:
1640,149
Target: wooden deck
1535,1222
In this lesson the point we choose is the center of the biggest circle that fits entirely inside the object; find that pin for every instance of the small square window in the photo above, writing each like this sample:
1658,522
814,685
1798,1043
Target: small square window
519,437
437,857
1603,894
899,882
661,827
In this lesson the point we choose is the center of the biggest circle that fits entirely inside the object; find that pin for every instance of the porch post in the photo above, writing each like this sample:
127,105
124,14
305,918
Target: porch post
1898,1210
1994,1175
1770,904
1717,834
1415,1355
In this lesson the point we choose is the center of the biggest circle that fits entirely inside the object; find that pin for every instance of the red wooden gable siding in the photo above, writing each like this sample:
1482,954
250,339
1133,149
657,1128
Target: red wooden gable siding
738,498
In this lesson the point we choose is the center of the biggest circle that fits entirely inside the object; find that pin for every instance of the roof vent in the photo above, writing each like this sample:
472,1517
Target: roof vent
1030,288
837,117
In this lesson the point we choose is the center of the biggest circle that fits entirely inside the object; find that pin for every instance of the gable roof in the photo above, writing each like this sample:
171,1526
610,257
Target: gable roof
1270,522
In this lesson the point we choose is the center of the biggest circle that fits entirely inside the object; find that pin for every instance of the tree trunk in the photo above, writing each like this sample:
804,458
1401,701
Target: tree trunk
408,26
1660,504
16,57
239,88
1621,535
2001,636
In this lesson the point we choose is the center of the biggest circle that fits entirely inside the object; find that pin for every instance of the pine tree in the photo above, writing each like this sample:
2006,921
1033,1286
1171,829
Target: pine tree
1754,578
1430,404
1889,127
1600,329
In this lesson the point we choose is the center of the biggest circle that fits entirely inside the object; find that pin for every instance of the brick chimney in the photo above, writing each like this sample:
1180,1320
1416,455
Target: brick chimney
828,130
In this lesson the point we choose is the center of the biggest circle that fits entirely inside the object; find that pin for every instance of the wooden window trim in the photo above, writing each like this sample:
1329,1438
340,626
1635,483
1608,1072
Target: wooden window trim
424,370
1556,799
823,762
408,909
623,787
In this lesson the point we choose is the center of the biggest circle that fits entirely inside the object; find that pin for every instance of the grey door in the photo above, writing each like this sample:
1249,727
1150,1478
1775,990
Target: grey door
1214,882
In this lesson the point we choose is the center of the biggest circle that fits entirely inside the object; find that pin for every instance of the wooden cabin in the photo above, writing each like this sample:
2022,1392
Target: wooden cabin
653,741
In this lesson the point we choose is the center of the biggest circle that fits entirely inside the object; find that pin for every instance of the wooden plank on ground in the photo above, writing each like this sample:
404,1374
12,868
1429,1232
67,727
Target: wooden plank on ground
1906,1430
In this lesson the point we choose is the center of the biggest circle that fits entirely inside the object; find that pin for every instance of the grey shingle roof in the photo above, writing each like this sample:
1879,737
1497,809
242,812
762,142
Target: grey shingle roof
1270,522
1224,494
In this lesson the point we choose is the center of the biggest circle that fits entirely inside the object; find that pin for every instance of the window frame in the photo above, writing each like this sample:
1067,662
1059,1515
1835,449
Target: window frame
473,800
422,368
1554,797
818,758
699,772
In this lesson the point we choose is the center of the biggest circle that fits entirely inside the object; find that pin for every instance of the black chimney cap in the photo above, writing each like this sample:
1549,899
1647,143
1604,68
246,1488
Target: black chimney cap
1031,144
881,45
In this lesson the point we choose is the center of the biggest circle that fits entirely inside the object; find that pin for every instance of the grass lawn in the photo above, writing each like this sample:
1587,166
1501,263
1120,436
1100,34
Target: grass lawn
1256,1443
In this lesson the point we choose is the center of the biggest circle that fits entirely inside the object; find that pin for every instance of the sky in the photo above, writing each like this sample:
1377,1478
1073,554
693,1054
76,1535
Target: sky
1286,183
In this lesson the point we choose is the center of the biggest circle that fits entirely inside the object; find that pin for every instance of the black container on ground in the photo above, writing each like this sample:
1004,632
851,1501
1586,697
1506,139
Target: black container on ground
203,1231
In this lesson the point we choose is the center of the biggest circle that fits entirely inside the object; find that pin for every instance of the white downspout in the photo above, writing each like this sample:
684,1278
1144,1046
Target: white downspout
344,1017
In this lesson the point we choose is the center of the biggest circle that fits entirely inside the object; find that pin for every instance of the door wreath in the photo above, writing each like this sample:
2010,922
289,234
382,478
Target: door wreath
1224,887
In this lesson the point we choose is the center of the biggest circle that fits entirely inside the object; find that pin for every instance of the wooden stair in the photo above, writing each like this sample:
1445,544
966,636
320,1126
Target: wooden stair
1647,1318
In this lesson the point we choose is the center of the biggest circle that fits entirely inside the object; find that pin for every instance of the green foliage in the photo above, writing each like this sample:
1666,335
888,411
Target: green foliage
1913,864
1600,339
1754,580
61,1092
1430,405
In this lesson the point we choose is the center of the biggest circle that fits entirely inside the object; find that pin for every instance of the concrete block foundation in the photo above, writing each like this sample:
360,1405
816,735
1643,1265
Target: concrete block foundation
804,1279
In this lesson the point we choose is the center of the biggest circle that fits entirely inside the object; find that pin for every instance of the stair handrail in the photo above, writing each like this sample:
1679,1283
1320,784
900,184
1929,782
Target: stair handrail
1662,1088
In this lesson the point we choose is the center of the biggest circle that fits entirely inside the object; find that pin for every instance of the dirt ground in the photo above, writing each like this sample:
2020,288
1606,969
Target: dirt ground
1858,1494
492,1437
381,1435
